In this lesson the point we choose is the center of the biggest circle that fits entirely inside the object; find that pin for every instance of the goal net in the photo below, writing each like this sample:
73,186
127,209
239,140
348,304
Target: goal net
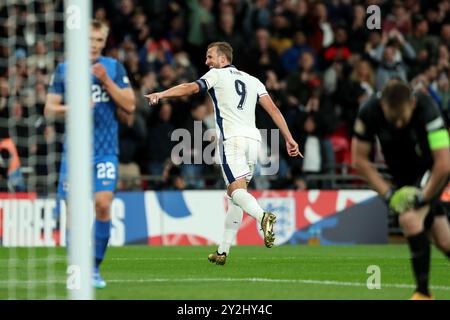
32,257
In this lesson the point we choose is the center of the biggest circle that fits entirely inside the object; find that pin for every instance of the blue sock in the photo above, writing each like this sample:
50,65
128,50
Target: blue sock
102,233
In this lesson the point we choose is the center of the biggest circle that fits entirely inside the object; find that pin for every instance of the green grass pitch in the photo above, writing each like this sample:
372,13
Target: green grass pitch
183,272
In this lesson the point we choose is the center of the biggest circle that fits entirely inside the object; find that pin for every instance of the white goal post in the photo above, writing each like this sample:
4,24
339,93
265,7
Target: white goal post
79,135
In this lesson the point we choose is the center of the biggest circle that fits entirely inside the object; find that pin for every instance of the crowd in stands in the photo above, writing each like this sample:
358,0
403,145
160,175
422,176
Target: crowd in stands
318,59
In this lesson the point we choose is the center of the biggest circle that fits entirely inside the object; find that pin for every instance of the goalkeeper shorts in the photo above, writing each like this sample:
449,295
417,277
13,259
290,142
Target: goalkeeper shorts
437,207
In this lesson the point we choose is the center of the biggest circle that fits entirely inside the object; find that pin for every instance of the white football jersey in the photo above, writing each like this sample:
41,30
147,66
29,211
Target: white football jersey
234,94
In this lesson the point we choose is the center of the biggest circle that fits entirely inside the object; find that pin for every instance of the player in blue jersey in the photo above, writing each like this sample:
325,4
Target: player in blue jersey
112,99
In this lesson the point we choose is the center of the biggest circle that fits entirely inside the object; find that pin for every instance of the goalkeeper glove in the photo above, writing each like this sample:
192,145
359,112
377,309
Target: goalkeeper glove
419,201
406,198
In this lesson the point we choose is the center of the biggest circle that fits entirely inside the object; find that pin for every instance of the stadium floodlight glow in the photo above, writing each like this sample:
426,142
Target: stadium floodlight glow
79,135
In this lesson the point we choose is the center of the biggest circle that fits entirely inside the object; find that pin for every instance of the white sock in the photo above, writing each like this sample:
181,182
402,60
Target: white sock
233,221
248,203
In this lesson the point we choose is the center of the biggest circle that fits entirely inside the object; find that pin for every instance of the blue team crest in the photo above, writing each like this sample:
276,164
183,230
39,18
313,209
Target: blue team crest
284,209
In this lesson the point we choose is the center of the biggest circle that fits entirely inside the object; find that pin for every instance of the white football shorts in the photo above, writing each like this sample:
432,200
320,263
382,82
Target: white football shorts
238,158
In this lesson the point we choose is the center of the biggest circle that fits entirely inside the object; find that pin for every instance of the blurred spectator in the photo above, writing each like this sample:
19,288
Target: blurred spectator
443,59
435,14
132,67
140,29
289,58
132,137
445,35
338,51
149,83
389,55
172,179
312,148
129,177
359,32
184,70
159,144
300,83
351,89
192,172
364,77
389,68
371,48
276,88
122,23
201,19
281,32
300,18
398,19
227,32
264,122
11,178
423,44
258,17
40,60
320,31
167,76
443,90
100,15
261,57
155,53
177,33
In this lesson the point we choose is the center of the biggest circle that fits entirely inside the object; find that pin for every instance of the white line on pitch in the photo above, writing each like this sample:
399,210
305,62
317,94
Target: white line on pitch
302,281
199,259
254,280
250,258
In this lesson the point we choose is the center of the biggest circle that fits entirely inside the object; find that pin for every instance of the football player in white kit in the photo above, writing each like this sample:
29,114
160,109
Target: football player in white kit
235,94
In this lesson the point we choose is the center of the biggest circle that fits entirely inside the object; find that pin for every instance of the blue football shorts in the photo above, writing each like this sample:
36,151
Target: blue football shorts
105,174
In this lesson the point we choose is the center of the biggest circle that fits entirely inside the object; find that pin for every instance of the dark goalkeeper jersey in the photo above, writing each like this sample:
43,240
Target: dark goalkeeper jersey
406,151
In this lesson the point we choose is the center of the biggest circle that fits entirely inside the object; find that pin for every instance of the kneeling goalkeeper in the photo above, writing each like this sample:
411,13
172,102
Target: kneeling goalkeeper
415,143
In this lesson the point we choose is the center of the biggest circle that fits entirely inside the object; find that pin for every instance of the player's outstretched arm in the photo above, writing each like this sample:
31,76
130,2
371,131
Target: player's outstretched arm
270,107
360,156
53,106
123,97
181,90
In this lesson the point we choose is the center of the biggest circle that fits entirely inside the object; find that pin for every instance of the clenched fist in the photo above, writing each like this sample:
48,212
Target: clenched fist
99,72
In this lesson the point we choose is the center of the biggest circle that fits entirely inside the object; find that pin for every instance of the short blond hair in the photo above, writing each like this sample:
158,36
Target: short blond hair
100,25
223,48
